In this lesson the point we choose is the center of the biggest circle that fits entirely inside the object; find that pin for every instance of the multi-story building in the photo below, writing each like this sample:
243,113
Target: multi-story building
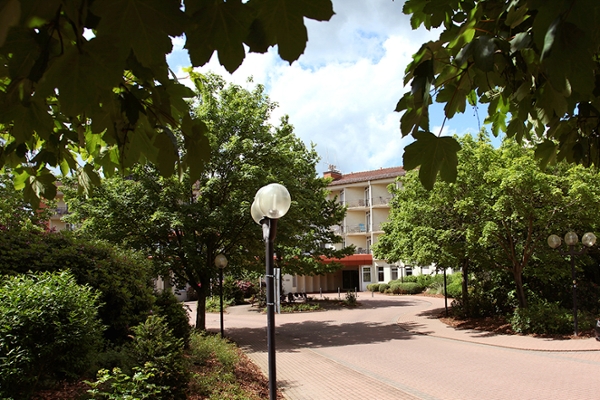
56,222
367,198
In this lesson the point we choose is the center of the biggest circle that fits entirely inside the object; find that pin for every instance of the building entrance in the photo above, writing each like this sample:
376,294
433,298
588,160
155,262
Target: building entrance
350,279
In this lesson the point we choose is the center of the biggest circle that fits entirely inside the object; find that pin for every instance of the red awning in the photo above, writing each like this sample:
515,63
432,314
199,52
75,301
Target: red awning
352,260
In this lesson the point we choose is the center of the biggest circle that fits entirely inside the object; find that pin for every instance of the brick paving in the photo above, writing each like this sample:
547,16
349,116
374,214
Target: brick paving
392,348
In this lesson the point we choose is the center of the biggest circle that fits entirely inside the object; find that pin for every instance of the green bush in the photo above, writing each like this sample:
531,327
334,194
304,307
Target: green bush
175,315
542,317
49,330
373,287
117,385
219,383
231,290
154,343
383,287
350,299
406,288
123,277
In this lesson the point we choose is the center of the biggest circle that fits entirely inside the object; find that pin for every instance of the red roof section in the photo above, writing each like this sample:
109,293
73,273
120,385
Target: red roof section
382,173
353,260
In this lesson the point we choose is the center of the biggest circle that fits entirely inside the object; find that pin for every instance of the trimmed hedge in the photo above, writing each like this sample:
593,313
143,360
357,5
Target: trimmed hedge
383,287
405,288
373,287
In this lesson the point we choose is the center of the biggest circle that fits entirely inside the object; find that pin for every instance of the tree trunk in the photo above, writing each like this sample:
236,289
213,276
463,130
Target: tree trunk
465,286
201,304
520,291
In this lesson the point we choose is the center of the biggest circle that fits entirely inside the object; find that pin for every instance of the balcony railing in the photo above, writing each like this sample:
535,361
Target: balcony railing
375,201
62,210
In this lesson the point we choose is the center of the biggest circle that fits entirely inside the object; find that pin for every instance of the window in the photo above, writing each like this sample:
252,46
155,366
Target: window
408,270
368,220
368,246
342,197
380,277
425,270
366,273
394,273
367,196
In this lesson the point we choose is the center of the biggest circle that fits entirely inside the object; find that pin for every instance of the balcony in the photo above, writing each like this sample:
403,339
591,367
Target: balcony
381,201
62,210
359,228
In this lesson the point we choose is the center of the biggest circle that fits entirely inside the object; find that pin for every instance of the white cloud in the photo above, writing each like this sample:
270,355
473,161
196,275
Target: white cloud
342,91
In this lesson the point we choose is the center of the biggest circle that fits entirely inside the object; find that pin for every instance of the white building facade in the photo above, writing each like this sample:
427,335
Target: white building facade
367,198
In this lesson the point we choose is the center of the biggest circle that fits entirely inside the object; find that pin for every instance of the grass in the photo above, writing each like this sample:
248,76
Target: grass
222,371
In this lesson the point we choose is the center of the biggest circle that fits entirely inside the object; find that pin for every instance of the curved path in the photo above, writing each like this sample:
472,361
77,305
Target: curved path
391,348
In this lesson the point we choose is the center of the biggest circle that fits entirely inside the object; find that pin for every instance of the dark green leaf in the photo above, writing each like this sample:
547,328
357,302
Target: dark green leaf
432,154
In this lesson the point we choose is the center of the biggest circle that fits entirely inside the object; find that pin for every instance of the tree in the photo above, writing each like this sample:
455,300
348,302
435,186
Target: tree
498,213
440,226
15,212
85,86
534,63
185,224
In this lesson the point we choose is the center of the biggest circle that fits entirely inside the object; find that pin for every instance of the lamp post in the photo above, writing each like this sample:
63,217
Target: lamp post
571,239
221,263
271,202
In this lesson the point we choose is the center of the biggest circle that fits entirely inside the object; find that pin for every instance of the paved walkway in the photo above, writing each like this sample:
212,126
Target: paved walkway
392,347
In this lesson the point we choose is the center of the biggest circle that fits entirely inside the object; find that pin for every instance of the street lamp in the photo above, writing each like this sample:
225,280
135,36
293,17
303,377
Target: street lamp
221,263
571,239
271,202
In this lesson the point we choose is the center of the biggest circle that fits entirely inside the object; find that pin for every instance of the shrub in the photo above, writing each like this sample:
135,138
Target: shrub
231,290
542,317
116,385
223,357
175,314
406,288
49,330
373,287
383,287
154,343
350,299
123,277
213,304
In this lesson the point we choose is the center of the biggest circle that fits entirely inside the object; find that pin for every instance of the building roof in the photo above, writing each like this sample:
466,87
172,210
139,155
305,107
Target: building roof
365,176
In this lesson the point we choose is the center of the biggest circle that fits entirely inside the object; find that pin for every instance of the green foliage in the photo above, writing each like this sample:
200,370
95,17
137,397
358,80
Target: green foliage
15,212
184,231
232,291
383,287
123,277
405,287
213,304
219,381
175,315
497,216
94,105
350,299
454,286
373,287
49,330
116,385
532,63
154,343
300,307
542,317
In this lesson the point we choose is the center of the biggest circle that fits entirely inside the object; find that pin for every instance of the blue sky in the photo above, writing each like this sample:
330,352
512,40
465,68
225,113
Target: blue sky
342,91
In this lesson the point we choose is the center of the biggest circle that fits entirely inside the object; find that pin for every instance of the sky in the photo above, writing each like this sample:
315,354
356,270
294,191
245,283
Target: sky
341,93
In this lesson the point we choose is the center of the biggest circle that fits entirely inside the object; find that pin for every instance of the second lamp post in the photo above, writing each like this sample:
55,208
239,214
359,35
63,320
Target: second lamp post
270,203
571,239
221,263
